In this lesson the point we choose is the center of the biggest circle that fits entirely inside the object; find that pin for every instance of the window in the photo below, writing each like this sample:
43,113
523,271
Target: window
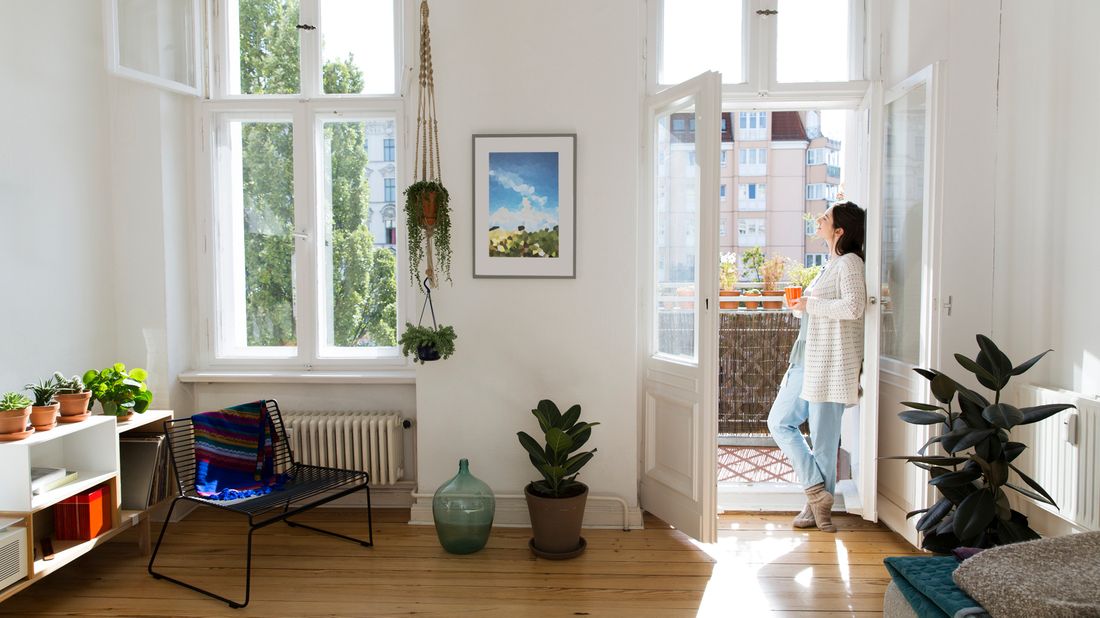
752,125
751,233
822,156
724,157
812,41
815,259
820,191
699,36
159,43
752,196
303,219
753,162
811,225
722,192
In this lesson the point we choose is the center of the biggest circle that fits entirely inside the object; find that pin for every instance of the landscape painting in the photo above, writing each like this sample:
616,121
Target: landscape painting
524,205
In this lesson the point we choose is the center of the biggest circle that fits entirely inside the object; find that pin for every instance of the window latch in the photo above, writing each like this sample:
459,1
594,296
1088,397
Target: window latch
305,27
761,12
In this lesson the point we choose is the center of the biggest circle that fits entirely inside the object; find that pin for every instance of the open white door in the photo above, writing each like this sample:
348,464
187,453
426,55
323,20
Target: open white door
906,310
679,332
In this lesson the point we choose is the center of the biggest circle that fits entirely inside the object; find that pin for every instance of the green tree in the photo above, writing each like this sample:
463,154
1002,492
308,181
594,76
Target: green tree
364,309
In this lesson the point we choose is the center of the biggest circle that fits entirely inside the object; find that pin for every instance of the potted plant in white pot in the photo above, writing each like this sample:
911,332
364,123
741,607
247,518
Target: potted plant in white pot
556,502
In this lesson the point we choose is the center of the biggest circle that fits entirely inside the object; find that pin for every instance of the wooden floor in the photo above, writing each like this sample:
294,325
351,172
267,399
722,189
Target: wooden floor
760,566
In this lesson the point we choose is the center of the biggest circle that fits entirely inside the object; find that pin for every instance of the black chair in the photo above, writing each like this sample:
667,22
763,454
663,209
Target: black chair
306,487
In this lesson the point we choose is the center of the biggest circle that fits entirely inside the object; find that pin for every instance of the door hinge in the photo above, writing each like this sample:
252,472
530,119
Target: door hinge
947,305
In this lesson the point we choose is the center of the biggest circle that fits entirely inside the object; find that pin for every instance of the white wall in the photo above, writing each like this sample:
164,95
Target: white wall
59,294
526,66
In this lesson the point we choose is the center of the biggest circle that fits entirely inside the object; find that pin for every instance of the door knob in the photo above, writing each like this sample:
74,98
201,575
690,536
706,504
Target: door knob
872,300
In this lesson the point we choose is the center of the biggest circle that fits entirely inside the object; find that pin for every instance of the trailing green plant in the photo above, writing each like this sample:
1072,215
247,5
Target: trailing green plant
441,339
415,194
119,391
563,435
68,386
753,259
971,478
44,391
13,401
803,276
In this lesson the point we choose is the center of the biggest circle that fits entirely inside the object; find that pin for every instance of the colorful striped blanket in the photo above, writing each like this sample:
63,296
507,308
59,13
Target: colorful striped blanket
234,457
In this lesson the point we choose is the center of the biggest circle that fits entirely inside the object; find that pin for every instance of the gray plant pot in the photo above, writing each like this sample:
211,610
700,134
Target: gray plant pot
556,524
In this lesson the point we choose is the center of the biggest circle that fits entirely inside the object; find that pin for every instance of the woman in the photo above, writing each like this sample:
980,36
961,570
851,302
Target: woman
825,363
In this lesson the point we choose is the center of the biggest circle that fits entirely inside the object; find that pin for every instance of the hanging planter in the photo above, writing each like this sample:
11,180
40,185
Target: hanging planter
429,343
427,202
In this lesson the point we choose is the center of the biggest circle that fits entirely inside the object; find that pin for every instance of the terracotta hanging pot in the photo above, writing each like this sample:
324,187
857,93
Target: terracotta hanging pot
428,208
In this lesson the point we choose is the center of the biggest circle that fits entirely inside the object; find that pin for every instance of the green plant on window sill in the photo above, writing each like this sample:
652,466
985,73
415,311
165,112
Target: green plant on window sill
424,343
119,391
14,401
44,391
430,196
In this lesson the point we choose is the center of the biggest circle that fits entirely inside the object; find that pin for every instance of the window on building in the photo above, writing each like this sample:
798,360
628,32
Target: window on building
752,196
722,192
751,233
725,157
811,226
815,259
820,191
753,162
822,156
752,125
281,254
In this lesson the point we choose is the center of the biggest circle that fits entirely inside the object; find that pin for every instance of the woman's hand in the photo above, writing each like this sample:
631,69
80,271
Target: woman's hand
798,304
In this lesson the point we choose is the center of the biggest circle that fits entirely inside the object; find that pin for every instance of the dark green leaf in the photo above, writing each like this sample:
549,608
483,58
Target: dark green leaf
917,512
998,381
954,479
974,515
1003,415
974,368
916,405
928,374
972,396
570,417
558,442
920,417
1030,494
1013,531
1002,367
931,441
998,472
943,388
544,421
1004,509
550,410
1035,414
1013,450
1024,366
956,494
533,448
1034,485
934,515
575,463
971,438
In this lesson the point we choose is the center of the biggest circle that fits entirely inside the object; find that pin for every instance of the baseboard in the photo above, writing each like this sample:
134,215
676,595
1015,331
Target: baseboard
511,512
768,497
1044,522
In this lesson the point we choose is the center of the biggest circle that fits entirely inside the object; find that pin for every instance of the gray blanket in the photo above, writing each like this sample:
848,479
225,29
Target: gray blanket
1058,576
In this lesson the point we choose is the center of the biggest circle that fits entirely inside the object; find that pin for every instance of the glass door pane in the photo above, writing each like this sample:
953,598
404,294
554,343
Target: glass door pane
357,46
264,47
903,177
676,234
157,38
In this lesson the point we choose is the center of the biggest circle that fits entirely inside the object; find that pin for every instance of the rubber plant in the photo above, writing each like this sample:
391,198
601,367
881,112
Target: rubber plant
971,478
564,434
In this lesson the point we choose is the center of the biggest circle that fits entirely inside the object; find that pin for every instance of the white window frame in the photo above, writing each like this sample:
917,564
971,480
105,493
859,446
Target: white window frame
820,191
815,259
749,231
756,203
752,162
752,126
114,61
758,57
308,114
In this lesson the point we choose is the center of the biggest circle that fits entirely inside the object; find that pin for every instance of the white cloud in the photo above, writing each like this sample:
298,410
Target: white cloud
528,216
512,181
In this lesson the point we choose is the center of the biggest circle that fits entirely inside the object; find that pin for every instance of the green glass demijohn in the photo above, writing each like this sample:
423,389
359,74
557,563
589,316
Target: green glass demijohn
463,509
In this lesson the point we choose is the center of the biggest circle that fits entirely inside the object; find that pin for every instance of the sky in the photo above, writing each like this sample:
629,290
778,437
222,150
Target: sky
365,28
523,190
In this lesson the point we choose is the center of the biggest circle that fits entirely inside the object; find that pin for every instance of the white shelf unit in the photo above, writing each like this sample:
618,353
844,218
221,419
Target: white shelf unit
91,449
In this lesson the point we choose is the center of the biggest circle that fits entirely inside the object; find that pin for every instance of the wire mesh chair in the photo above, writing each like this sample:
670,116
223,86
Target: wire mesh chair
306,487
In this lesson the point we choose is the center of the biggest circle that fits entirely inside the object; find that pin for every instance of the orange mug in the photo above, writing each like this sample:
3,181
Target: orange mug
792,293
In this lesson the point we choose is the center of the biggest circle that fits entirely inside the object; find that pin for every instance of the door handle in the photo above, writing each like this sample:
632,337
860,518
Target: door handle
872,300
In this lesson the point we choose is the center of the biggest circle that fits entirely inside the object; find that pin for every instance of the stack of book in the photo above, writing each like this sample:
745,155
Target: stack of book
44,479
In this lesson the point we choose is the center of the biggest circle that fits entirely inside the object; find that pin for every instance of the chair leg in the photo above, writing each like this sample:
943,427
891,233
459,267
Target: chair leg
370,527
160,538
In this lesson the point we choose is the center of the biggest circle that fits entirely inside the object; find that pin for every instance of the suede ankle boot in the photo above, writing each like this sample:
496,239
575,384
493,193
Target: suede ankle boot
821,505
805,519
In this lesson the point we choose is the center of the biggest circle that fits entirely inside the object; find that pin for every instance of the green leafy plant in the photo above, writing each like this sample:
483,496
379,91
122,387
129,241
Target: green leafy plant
43,392
753,260
727,271
119,391
973,510
68,386
13,401
416,340
803,276
752,292
415,196
563,435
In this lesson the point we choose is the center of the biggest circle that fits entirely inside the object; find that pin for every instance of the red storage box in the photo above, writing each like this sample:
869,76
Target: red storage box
83,516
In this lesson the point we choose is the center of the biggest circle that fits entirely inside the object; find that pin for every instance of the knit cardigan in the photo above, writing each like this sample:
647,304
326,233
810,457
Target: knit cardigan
834,337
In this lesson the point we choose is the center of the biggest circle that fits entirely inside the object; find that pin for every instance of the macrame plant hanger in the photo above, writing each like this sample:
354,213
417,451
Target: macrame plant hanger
426,162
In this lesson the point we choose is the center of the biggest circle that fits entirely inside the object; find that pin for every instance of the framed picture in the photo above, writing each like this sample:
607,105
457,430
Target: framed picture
525,205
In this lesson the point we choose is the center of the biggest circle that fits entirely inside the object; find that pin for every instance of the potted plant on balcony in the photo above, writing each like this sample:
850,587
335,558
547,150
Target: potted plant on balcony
803,276
15,409
44,410
121,393
754,294
427,343
727,280
556,502
771,272
974,510
752,259
73,397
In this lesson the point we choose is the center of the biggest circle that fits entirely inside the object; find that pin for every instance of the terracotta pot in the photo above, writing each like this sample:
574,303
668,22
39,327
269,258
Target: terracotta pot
44,417
752,304
428,208
556,524
14,421
74,404
773,304
728,304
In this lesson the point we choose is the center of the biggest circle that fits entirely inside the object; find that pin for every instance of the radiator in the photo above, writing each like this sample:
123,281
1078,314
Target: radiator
369,441
1063,453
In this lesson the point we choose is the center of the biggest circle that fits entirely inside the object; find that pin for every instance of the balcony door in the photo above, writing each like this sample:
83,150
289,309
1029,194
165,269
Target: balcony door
679,329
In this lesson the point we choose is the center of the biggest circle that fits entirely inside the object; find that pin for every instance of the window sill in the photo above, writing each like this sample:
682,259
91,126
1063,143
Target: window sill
393,376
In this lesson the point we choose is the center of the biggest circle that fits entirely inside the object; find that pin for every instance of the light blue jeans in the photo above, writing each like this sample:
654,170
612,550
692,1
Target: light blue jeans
788,412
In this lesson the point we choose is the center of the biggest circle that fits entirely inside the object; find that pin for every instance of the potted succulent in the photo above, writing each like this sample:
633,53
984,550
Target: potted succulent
427,343
974,510
15,409
44,410
428,224
118,391
73,397
755,295
771,272
727,280
556,502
